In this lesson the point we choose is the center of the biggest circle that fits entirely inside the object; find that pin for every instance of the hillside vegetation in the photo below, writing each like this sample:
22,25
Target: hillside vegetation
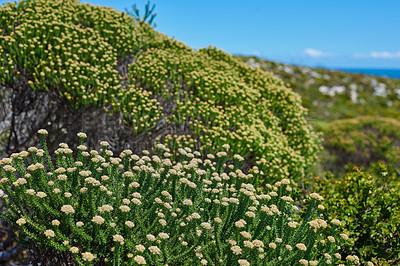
331,95
210,97
213,149
363,140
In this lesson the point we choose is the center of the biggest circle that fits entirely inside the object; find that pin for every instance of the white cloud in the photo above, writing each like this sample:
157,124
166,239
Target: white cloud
315,53
385,55
378,55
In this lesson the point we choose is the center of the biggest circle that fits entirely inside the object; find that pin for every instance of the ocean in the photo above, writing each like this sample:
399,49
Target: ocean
389,73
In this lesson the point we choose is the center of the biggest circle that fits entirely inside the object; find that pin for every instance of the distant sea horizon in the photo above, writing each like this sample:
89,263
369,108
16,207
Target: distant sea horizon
380,72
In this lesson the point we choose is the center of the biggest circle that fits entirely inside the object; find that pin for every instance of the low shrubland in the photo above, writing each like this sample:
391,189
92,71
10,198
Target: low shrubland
331,95
362,141
228,146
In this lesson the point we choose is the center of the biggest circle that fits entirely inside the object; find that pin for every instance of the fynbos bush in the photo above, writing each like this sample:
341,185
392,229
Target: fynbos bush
221,100
369,206
363,140
151,210
97,57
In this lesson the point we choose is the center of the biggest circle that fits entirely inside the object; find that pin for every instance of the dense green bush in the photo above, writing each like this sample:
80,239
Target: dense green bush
73,49
363,140
222,101
211,97
151,210
368,204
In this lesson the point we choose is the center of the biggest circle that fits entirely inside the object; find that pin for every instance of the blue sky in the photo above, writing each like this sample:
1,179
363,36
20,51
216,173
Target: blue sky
333,34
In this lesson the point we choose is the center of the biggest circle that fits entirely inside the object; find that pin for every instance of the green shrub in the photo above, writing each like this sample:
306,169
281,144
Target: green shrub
135,210
73,48
368,204
221,100
211,97
363,140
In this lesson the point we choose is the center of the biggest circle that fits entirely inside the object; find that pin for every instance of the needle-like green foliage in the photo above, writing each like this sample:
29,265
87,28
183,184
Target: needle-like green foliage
131,210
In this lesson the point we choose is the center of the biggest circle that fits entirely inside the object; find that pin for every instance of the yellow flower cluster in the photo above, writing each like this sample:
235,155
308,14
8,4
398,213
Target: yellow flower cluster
74,48
138,207
221,100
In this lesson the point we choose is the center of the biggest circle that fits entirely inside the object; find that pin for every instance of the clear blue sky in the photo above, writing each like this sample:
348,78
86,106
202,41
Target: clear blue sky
339,33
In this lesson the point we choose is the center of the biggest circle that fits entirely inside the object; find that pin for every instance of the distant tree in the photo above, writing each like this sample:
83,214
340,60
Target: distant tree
148,14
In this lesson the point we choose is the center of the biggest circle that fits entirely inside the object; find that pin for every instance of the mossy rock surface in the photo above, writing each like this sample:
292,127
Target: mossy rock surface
69,64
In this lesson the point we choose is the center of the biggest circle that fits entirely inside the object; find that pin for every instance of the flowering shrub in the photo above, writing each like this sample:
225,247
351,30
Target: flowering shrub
151,210
368,204
211,97
221,100
73,48
363,140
